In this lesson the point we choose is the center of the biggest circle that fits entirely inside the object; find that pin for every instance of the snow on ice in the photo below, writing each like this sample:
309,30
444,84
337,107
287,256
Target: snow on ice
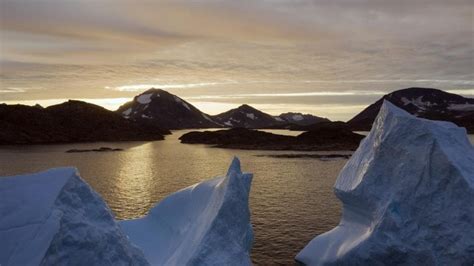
212,226
55,218
407,195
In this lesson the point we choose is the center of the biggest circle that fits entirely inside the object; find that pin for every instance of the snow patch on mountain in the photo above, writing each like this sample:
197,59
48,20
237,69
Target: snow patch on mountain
407,196
251,116
127,112
297,117
418,102
461,107
204,224
185,105
207,117
144,98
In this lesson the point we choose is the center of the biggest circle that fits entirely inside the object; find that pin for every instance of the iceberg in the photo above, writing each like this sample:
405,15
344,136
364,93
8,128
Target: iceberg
55,218
407,194
204,224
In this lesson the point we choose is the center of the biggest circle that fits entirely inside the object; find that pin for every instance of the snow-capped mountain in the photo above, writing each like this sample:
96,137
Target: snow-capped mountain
301,119
169,111
422,102
247,117
72,121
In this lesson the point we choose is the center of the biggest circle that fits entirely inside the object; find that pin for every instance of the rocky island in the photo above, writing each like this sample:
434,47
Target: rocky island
320,139
68,122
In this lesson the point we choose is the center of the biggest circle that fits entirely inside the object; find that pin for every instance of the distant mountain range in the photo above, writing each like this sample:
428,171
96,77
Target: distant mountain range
162,108
422,102
301,119
153,113
72,121
246,116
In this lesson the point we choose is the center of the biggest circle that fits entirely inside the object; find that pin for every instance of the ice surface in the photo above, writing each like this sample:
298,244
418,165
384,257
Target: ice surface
55,218
205,224
407,195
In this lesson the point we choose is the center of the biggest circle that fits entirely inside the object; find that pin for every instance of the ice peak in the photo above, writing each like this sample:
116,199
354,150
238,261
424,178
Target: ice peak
390,108
234,167
410,181
212,226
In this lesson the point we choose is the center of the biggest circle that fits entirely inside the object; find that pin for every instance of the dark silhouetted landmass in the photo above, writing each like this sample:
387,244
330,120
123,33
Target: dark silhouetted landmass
240,138
159,107
322,157
101,149
245,116
422,102
300,119
72,121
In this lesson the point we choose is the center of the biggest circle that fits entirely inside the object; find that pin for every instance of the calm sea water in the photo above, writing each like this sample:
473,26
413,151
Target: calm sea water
291,199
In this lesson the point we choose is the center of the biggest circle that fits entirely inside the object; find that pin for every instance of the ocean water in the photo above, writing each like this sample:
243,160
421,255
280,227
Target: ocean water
291,200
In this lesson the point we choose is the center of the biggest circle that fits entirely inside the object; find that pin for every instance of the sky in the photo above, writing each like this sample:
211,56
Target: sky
326,57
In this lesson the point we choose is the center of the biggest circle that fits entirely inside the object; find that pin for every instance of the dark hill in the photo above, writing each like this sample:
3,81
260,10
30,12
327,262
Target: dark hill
72,121
423,102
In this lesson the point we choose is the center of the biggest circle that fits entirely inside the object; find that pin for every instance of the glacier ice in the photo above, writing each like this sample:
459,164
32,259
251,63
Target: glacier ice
204,224
408,197
55,218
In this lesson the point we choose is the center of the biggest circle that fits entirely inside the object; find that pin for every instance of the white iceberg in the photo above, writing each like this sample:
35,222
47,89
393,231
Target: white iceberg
55,218
408,197
205,224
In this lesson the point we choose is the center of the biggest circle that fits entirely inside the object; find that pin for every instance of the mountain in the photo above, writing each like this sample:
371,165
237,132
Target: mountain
246,116
422,102
159,107
72,121
301,119
324,139
327,124
407,195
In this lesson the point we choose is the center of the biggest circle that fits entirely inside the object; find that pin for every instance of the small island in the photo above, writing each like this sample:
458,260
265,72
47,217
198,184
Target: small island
101,149
323,138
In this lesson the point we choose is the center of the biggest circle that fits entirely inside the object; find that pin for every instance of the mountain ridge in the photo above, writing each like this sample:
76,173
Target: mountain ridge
157,106
71,121
426,103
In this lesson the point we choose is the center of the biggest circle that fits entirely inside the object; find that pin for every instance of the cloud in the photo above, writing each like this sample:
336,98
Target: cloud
275,50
